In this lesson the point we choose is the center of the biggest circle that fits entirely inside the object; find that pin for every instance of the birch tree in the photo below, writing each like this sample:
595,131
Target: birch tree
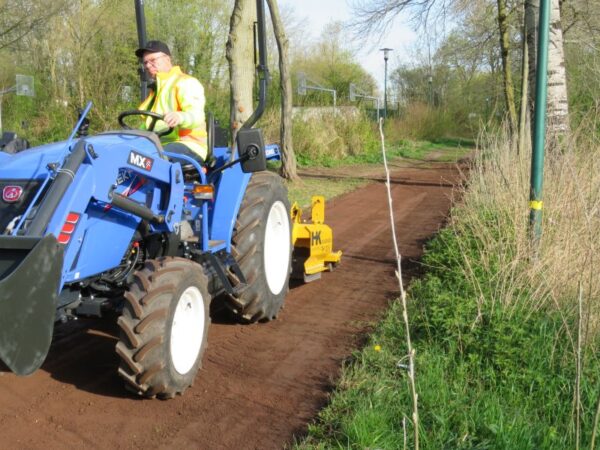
557,112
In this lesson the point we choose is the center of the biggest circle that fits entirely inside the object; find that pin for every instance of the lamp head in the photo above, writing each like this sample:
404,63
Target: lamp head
386,52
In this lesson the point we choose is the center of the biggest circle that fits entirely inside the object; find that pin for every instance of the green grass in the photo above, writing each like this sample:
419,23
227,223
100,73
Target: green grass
494,381
445,150
303,191
369,156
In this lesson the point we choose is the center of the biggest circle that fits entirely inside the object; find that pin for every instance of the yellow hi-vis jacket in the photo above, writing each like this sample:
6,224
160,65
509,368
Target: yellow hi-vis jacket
176,91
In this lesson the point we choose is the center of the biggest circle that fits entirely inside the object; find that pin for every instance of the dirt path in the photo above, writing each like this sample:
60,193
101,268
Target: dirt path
260,384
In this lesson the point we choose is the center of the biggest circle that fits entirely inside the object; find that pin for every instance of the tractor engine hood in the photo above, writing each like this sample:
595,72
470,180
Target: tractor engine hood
33,162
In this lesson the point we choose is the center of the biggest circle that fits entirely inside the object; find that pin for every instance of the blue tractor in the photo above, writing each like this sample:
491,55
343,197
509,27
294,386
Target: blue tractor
112,223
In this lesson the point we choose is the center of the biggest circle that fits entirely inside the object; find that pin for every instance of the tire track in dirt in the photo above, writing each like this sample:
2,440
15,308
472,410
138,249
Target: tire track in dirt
260,384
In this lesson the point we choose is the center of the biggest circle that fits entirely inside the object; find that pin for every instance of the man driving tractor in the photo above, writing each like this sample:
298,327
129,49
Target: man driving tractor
177,96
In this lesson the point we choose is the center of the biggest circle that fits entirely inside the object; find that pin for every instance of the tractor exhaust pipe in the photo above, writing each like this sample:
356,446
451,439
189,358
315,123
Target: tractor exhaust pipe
263,68
140,19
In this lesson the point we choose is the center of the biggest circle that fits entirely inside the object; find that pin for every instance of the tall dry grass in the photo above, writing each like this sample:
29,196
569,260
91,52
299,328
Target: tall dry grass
496,212
327,137
420,121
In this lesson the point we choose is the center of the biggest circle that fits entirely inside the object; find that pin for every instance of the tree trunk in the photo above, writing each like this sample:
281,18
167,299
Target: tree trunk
558,104
523,112
240,55
288,158
509,93
558,107
532,8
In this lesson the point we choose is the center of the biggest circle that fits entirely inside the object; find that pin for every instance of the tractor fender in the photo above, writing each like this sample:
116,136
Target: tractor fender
229,193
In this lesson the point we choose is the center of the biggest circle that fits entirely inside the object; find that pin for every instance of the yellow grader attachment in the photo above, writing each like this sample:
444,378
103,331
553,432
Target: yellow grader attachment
313,243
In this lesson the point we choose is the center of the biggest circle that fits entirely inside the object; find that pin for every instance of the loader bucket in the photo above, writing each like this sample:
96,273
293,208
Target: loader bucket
30,275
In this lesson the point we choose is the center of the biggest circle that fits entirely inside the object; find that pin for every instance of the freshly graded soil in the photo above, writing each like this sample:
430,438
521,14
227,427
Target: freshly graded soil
260,384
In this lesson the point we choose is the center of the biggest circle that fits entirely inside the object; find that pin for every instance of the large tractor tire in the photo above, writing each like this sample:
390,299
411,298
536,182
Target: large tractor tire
164,326
262,247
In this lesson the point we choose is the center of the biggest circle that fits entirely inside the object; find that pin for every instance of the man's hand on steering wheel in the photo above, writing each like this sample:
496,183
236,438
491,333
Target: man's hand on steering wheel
155,118
172,119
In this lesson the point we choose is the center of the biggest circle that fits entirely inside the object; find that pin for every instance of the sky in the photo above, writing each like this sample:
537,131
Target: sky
399,37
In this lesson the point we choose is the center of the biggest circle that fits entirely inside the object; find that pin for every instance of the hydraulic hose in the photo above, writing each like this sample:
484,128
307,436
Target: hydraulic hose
66,175
133,207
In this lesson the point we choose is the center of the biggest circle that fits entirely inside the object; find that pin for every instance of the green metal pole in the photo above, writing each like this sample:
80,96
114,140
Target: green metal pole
539,134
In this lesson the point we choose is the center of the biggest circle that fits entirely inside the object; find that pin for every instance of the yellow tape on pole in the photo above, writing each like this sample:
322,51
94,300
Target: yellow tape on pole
536,205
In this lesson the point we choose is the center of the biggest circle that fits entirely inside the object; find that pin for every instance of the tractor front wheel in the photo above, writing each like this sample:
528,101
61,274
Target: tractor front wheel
262,247
164,327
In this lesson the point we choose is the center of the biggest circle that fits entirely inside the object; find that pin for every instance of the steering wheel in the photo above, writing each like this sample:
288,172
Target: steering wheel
138,112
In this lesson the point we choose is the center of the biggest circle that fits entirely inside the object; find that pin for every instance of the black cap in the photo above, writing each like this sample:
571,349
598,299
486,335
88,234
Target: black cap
153,47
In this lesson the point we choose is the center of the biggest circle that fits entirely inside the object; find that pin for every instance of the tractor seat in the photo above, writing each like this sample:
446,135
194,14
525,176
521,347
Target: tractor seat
189,171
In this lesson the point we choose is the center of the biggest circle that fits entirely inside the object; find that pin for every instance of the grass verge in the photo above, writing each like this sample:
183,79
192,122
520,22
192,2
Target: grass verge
442,150
302,191
491,381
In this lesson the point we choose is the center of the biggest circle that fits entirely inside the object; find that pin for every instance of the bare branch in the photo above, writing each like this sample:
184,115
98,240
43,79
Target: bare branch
19,18
377,16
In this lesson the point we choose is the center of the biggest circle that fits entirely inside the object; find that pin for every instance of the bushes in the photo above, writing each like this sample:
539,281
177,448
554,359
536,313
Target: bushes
419,121
327,139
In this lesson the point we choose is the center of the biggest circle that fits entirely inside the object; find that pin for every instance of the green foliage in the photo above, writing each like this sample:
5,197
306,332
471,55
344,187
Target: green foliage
486,378
196,34
330,64
83,51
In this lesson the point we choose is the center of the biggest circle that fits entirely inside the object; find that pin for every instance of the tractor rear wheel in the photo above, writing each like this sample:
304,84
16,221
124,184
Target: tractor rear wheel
262,247
164,326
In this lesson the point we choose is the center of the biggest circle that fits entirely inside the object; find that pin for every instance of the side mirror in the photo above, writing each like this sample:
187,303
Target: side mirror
251,149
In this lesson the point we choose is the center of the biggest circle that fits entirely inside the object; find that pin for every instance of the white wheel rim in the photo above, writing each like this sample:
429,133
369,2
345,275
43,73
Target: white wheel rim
187,331
277,247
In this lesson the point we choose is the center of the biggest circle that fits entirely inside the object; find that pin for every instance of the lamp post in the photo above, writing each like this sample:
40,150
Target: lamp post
386,52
